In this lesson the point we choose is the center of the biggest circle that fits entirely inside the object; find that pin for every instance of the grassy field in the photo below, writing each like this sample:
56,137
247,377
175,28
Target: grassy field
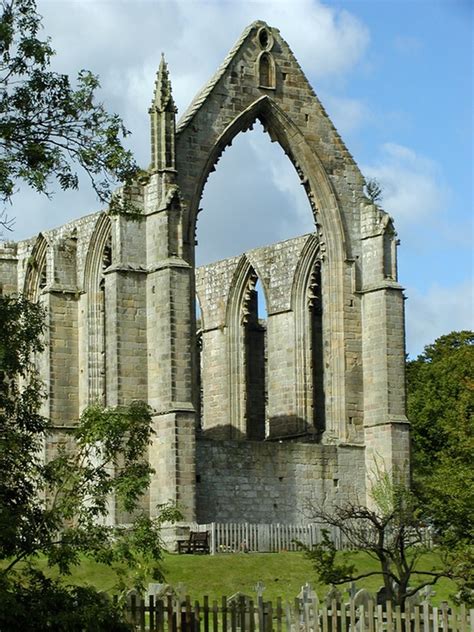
283,574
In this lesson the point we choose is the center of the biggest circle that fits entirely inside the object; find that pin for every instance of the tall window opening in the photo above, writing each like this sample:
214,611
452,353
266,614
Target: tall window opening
99,258
253,198
102,308
255,350
198,395
317,362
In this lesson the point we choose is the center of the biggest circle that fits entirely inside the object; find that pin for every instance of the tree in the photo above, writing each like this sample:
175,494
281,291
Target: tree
391,532
46,125
373,190
46,604
440,386
57,508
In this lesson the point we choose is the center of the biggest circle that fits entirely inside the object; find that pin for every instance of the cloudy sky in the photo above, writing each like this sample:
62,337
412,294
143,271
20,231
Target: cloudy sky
396,77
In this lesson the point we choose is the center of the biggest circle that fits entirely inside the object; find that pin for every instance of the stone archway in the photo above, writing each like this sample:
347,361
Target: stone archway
99,257
329,224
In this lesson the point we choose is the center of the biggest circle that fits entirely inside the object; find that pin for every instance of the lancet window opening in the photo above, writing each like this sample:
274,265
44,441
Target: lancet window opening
315,307
266,71
106,262
254,337
98,260
245,407
36,278
310,349
199,394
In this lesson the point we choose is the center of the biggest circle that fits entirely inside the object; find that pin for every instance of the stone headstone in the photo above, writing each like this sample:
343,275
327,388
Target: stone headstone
307,593
414,600
160,591
132,594
381,596
426,593
353,590
362,598
334,594
242,622
180,591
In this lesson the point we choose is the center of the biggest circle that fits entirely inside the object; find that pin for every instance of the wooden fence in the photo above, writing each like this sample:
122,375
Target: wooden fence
241,614
270,538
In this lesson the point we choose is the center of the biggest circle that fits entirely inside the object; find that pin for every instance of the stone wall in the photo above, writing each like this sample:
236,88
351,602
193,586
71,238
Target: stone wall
228,323
254,481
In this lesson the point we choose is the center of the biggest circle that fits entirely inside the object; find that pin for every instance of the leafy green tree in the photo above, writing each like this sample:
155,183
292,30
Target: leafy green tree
58,508
22,428
48,126
440,385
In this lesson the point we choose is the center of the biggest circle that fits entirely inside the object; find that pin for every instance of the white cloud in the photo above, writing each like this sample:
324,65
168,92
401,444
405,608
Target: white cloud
436,312
412,185
254,198
122,43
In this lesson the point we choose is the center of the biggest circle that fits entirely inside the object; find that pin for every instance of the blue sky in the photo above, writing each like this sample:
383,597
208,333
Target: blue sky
395,77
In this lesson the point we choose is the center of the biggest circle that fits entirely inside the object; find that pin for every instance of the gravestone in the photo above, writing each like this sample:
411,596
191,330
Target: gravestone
362,598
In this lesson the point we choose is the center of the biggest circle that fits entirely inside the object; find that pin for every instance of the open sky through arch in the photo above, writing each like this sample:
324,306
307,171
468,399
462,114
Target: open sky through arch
253,198
395,77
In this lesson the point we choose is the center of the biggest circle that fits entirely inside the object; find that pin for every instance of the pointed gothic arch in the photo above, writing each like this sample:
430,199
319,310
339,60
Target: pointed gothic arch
37,274
245,337
99,257
282,129
307,304
329,223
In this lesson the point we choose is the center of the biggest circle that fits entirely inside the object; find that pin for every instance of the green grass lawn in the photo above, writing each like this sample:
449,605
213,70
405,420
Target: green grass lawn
283,574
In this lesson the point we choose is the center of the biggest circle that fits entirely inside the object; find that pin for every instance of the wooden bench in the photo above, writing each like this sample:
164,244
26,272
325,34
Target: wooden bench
198,542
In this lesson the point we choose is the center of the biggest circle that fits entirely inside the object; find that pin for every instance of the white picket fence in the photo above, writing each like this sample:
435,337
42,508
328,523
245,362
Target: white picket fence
264,538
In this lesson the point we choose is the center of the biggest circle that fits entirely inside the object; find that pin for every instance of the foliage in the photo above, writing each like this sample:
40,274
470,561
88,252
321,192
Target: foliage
373,190
45,604
22,428
46,125
391,532
58,508
440,385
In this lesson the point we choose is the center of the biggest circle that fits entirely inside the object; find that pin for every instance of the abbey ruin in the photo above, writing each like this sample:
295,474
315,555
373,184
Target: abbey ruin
251,418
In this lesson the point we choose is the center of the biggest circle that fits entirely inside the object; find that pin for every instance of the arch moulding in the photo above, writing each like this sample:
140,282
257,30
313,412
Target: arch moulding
327,214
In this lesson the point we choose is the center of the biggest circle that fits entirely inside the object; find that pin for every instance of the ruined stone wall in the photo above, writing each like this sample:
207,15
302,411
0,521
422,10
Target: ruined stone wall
223,292
8,269
121,321
273,482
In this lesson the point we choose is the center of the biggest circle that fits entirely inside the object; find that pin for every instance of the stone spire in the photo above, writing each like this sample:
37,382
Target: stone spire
162,121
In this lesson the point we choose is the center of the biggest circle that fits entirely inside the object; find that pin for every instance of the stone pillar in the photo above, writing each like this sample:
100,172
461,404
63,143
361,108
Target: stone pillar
60,297
125,314
383,353
170,322
8,269
59,363
283,419
172,453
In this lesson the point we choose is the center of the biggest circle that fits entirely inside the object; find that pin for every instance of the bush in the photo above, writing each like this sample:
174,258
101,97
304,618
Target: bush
39,604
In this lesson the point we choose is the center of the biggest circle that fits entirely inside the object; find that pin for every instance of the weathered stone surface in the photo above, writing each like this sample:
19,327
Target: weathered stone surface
270,413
